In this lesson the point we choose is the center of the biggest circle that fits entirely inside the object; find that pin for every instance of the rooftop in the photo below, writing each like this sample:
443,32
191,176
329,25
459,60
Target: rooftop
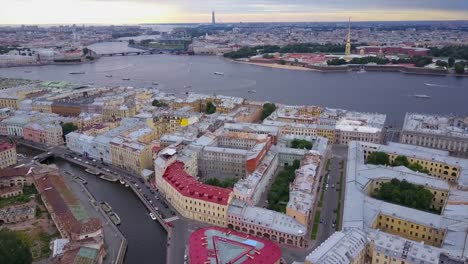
434,124
221,245
266,218
188,186
5,146
341,247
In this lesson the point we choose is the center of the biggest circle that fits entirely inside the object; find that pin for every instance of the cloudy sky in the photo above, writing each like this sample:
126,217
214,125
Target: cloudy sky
170,11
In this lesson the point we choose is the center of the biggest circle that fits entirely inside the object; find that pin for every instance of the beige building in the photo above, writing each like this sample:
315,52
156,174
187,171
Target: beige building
192,199
439,132
131,155
7,154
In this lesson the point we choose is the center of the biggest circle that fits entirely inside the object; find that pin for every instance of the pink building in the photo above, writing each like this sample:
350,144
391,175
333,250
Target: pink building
35,132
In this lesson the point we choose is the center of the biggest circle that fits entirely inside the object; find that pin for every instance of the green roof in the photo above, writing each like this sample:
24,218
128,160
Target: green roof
86,256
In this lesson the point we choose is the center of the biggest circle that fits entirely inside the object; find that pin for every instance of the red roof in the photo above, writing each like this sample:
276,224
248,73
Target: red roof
244,247
5,146
188,186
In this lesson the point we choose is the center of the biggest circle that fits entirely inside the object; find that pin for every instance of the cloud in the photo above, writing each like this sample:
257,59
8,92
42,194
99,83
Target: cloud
156,11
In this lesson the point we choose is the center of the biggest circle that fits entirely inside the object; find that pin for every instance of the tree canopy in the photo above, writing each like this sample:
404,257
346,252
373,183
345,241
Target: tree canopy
268,108
68,128
278,196
382,158
378,158
406,194
460,67
158,103
13,250
456,52
210,108
301,144
227,183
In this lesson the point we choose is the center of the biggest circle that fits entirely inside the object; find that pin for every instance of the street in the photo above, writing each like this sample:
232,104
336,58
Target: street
328,212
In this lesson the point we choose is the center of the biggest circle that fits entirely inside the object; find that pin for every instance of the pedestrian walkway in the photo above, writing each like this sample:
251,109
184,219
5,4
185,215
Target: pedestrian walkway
171,219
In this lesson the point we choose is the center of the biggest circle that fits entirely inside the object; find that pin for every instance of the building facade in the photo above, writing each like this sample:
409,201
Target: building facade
7,154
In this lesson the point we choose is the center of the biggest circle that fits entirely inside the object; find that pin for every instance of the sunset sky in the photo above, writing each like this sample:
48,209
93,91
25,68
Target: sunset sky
187,11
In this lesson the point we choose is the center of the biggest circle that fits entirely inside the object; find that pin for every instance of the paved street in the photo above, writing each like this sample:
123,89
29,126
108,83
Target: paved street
330,202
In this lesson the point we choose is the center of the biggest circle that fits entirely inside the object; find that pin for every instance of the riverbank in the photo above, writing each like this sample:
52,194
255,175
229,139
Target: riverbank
274,65
350,67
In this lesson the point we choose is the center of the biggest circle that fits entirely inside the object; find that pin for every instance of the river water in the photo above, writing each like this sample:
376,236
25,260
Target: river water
146,238
388,93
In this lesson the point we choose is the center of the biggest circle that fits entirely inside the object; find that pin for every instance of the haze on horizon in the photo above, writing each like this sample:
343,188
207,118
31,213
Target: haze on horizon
196,11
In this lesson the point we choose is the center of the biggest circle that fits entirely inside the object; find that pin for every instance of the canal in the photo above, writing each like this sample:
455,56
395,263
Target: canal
146,238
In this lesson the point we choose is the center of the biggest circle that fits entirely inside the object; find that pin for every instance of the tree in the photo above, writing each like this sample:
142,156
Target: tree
406,194
441,63
268,108
417,167
68,128
459,67
301,144
158,103
131,42
378,158
401,161
451,62
268,56
210,108
85,51
282,62
12,249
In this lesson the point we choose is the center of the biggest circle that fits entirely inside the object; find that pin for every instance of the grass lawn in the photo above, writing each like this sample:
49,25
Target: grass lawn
316,225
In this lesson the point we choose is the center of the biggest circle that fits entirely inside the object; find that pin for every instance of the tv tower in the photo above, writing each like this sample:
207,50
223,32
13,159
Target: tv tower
213,17
348,41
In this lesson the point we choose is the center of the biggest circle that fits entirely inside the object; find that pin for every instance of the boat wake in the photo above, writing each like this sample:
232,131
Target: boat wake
436,85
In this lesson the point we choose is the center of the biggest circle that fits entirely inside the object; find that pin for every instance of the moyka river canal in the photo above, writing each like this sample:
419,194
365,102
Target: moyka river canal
146,238
387,93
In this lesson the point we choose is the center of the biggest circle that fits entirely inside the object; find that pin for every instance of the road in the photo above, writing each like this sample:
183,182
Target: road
330,204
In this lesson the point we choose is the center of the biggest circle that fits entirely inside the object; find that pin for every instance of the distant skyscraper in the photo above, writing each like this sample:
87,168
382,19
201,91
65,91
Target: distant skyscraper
213,18
348,41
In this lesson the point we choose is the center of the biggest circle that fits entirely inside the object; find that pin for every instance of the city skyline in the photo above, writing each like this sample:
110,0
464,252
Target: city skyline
184,11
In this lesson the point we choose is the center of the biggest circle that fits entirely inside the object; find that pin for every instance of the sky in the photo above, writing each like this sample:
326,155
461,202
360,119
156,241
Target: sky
199,11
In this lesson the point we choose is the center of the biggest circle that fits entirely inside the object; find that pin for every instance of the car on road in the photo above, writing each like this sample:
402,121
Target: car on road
172,212
151,191
333,185
326,187
157,197
152,216
333,225
165,205
321,220
170,224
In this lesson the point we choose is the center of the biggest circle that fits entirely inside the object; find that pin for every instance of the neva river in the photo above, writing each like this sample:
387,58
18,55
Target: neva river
388,93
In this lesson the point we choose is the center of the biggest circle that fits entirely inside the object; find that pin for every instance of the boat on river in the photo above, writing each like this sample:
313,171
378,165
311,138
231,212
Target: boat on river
219,73
105,207
97,173
114,218
79,72
421,96
107,178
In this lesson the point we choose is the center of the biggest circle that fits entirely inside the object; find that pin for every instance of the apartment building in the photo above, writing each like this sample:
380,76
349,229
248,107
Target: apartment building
192,199
131,155
446,230
439,132
7,154
267,224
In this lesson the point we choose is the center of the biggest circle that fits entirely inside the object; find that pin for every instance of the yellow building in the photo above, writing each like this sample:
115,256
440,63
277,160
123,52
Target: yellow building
42,106
110,112
438,201
436,168
327,132
131,156
7,154
192,199
9,102
409,230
